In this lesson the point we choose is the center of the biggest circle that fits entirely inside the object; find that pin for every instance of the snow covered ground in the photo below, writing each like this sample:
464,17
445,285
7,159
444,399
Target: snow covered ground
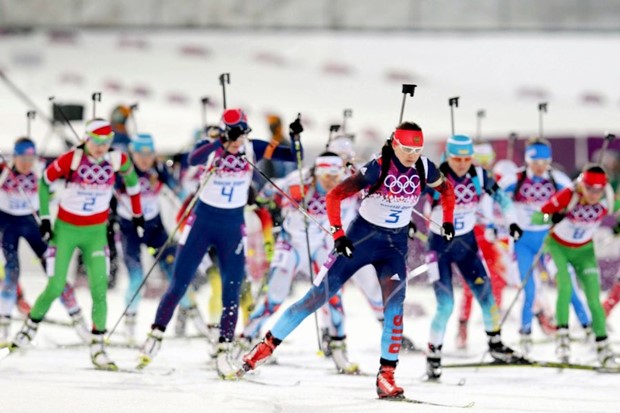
51,379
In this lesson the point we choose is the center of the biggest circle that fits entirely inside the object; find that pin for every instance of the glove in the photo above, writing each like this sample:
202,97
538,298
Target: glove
45,228
344,246
138,224
515,231
232,134
413,228
295,128
556,217
616,229
448,231
490,233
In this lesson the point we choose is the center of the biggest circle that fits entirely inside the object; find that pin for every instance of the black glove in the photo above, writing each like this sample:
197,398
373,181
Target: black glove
515,231
45,228
138,224
344,246
413,228
232,134
616,229
556,217
295,128
448,231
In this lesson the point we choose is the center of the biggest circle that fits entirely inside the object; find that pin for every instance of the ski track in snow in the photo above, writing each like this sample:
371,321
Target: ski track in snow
50,379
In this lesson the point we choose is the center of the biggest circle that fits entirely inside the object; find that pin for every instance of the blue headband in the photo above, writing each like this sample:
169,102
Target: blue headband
24,148
537,151
460,145
143,142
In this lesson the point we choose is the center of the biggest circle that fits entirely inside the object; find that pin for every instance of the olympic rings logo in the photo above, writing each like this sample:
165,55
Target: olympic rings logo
465,194
231,163
316,206
587,213
403,184
537,191
95,174
27,183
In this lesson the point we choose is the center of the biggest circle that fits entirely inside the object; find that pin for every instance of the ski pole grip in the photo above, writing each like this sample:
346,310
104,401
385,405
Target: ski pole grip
409,89
454,101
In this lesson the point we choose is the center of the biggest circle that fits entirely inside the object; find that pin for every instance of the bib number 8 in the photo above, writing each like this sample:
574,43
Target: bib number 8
228,194
579,233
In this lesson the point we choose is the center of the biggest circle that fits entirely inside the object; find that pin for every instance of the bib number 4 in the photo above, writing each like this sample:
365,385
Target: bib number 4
227,192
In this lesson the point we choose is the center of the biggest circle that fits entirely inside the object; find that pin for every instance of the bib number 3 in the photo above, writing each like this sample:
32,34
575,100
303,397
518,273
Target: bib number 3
394,216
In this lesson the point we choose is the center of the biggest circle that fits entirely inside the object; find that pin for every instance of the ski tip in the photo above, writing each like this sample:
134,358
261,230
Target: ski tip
320,353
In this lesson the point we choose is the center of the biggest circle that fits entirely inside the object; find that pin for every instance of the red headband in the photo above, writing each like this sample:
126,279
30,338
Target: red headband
595,179
409,137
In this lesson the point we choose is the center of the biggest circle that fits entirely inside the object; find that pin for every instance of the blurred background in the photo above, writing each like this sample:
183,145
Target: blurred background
501,57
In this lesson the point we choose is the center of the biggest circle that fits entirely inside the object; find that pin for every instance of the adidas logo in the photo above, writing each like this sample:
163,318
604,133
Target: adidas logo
363,170
395,277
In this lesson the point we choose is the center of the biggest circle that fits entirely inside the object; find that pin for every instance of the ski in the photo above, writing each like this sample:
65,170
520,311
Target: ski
5,352
537,364
255,380
427,380
404,399
151,372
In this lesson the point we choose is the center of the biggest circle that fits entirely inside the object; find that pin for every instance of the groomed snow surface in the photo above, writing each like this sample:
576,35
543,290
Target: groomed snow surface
52,379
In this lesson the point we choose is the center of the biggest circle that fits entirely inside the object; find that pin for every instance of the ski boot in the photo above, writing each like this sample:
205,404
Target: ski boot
180,327
501,352
259,354
433,362
27,333
526,342
562,347
461,336
98,355
386,385
606,356
5,326
338,349
130,328
22,305
80,326
325,340
224,361
546,323
407,344
150,348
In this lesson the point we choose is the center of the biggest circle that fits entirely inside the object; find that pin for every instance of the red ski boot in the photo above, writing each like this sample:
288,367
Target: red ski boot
259,354
386,386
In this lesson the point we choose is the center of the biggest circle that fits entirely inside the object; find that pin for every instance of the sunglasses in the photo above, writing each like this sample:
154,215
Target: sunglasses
462,158
594,189
409,149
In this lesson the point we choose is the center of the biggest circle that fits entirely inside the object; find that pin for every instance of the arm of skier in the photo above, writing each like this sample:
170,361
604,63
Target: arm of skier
132,184
558,202
283,153
60,168
343,190
202,150
447,199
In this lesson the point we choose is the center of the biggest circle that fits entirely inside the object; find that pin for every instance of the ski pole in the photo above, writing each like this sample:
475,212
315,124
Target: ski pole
30,115
20,94
454,103
346,114
204,103
479,116
510,150
132,109
408,89
224,80
95,97
332,130
542,109
302,190
609,137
